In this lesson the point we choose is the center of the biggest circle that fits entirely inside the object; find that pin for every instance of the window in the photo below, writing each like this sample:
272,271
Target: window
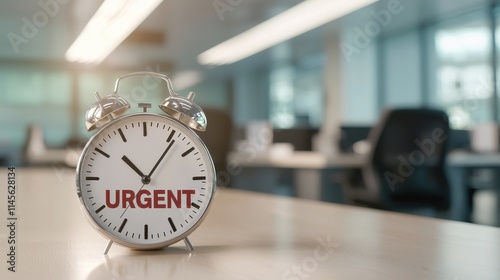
34,96
296,89
463,72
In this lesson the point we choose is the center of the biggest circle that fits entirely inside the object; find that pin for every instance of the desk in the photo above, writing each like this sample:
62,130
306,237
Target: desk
308,169
459,163
308,178
247,236
298,160
314,160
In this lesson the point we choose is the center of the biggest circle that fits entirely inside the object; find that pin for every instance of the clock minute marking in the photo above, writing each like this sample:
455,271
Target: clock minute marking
122,225
122,135
101,152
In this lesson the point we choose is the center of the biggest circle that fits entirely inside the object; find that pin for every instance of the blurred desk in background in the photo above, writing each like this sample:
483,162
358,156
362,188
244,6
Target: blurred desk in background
315,160
462,158
298,160
312,173
460,163
246,235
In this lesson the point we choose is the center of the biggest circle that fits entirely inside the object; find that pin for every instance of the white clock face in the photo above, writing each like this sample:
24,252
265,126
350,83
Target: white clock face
146,180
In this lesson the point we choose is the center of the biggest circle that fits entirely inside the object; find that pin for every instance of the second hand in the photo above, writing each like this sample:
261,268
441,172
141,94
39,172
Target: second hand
145,182
132,198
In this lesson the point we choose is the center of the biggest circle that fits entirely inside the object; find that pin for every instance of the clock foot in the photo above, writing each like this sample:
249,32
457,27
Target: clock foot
188,244
106,250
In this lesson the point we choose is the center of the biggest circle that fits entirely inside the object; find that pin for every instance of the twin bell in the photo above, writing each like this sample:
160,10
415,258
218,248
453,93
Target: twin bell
178,107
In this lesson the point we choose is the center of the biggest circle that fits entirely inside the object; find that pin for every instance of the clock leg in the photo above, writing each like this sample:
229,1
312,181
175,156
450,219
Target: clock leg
188,244
107,247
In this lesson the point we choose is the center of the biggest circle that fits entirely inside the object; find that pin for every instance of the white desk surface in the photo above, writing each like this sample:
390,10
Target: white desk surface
471,159
245,236
314,160
297,160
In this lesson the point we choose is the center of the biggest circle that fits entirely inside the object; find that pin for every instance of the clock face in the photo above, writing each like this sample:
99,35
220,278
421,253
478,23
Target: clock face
145,181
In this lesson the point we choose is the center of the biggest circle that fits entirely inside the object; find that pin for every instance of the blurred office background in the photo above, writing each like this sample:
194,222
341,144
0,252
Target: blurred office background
321,91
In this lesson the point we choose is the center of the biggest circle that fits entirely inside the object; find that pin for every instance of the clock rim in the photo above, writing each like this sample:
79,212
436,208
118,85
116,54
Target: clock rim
116,239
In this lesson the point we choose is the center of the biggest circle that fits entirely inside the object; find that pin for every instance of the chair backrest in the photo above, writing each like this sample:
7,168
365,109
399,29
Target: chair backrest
406,163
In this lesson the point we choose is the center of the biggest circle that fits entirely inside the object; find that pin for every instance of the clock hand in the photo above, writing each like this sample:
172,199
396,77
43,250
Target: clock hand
145,179
129,163
161,158
132,198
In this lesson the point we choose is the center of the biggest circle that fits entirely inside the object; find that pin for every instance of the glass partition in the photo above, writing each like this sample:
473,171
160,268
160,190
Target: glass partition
464,74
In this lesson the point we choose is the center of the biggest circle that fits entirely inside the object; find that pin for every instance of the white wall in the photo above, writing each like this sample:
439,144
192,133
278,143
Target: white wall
251,96
402,63
359,84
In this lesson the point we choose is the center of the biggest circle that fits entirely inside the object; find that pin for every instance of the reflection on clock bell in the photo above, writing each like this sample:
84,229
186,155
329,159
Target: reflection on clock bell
185,110
104,110
178,107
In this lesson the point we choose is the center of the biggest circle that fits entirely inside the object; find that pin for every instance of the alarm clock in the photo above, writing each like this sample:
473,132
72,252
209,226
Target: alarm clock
144,180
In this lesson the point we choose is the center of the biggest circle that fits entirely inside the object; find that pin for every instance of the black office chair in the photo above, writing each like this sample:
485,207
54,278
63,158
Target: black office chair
405,169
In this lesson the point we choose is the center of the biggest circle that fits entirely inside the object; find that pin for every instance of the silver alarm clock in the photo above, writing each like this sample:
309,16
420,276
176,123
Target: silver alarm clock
145,180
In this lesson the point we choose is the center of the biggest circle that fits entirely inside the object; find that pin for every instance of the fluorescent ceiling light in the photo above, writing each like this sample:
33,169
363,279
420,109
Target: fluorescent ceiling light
110,25
289,24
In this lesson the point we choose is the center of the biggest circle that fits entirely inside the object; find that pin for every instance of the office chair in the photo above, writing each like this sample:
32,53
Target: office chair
405,169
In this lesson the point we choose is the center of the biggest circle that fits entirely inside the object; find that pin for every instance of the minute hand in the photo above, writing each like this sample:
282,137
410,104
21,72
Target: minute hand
161,158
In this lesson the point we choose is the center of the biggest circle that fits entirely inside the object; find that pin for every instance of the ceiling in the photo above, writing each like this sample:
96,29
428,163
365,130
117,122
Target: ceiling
188,27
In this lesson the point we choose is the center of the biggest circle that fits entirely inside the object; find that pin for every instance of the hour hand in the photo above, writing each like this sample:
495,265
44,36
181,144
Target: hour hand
132,165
